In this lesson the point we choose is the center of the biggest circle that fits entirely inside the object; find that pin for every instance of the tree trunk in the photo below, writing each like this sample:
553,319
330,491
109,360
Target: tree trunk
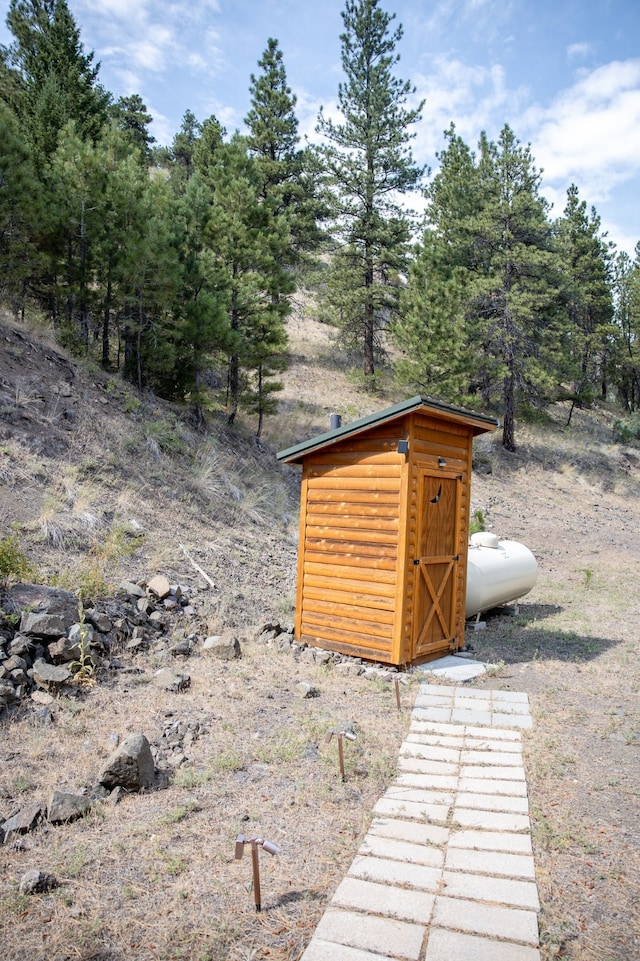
106,323
508,425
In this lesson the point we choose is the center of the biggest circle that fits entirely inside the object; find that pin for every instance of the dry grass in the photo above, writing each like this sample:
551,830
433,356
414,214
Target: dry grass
155,876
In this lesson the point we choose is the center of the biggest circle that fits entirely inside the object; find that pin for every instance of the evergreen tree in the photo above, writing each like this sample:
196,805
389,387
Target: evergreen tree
288,174
202,322
430,331
132,117
369,165
183,148
48,78
585,265
512,315
626,370
248,239
22,213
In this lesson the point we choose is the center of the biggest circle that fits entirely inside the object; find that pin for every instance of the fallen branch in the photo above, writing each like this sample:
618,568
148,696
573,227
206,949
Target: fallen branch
197,566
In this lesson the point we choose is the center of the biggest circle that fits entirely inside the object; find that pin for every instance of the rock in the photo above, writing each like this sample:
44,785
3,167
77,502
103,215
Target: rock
224,648
167,680
181,648
42,697
66,807
20,645
24,820
38,598
36,882
7,693
305,690
15,663
348,669
49,676
133,590
42,625
130,766
101,622
64,651
159,586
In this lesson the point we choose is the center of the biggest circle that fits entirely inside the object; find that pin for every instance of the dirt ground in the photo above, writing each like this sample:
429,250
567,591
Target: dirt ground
155,877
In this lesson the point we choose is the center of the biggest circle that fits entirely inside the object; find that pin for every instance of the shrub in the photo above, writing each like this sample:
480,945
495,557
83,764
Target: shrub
14,564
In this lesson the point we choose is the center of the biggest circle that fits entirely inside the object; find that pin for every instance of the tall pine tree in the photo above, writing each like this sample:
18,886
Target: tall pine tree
47,78
369,166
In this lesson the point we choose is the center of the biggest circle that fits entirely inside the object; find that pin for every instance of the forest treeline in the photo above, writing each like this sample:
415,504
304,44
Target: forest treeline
176,264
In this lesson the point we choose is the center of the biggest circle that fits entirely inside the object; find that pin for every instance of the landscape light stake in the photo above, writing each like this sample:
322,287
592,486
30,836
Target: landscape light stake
398,681
255,843
350,736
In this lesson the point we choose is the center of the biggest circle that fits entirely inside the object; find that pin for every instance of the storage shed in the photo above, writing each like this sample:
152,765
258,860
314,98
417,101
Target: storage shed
384,524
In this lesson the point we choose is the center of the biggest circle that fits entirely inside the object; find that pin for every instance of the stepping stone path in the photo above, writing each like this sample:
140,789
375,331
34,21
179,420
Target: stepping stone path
445,872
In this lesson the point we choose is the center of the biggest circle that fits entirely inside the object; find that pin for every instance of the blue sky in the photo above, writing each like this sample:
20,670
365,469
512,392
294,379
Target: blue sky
565,74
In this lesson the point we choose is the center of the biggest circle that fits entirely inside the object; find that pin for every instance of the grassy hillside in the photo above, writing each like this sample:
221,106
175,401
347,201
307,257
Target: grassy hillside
102,485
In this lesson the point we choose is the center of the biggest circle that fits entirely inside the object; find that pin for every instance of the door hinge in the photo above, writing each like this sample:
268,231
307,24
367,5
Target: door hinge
416,562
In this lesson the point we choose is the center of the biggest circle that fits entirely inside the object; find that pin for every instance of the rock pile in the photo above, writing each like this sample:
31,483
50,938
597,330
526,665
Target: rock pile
47,640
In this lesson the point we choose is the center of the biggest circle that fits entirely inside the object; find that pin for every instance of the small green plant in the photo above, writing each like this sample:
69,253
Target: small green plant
22,784
84,671
477,522
626,431
164,435
14,564
588,577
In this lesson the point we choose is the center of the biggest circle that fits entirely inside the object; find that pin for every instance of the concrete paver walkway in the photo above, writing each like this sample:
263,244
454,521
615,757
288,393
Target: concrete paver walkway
445,872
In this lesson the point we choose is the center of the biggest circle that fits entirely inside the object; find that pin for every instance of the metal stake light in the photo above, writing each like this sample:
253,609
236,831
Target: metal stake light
350,736
255,843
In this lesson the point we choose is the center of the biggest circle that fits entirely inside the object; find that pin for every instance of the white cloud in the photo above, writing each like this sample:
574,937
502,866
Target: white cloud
578,51
591,133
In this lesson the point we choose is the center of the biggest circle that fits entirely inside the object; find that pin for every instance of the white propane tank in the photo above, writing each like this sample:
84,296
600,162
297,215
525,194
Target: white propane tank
497,572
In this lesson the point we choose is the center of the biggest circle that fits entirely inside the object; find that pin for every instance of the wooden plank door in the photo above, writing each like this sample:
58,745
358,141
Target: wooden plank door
436,566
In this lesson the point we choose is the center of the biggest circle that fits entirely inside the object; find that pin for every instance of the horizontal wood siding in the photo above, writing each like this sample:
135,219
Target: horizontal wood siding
350,547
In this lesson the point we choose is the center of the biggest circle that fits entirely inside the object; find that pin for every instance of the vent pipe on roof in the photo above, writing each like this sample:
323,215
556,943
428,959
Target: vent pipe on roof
336,421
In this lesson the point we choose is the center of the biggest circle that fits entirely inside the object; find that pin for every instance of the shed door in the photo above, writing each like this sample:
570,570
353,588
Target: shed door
436,565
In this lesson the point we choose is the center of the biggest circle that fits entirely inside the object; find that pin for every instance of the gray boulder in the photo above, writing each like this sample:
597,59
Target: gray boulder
64,807
37,882
130,766
168,680
224,648
24,820
49,676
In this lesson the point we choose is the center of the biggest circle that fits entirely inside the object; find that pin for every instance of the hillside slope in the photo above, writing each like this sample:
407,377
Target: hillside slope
101,485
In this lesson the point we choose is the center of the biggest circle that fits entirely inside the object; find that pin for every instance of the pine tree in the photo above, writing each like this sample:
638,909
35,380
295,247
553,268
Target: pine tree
48,78
430,330
626,369
436,356
248,240
22,213
369,165
286,171
585,263
132,117
512,313
183,148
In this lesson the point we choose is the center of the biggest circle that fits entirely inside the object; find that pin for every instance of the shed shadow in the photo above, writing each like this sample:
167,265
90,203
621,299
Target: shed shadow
520,639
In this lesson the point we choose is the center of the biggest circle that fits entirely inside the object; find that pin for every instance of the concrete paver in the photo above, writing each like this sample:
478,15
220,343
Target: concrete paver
445,872
454,946
403,939
405,903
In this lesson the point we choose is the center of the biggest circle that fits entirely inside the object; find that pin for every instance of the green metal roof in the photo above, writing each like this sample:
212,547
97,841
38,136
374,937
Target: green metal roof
478,422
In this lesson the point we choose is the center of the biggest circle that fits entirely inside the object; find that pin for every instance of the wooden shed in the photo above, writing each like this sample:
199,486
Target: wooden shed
384,522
